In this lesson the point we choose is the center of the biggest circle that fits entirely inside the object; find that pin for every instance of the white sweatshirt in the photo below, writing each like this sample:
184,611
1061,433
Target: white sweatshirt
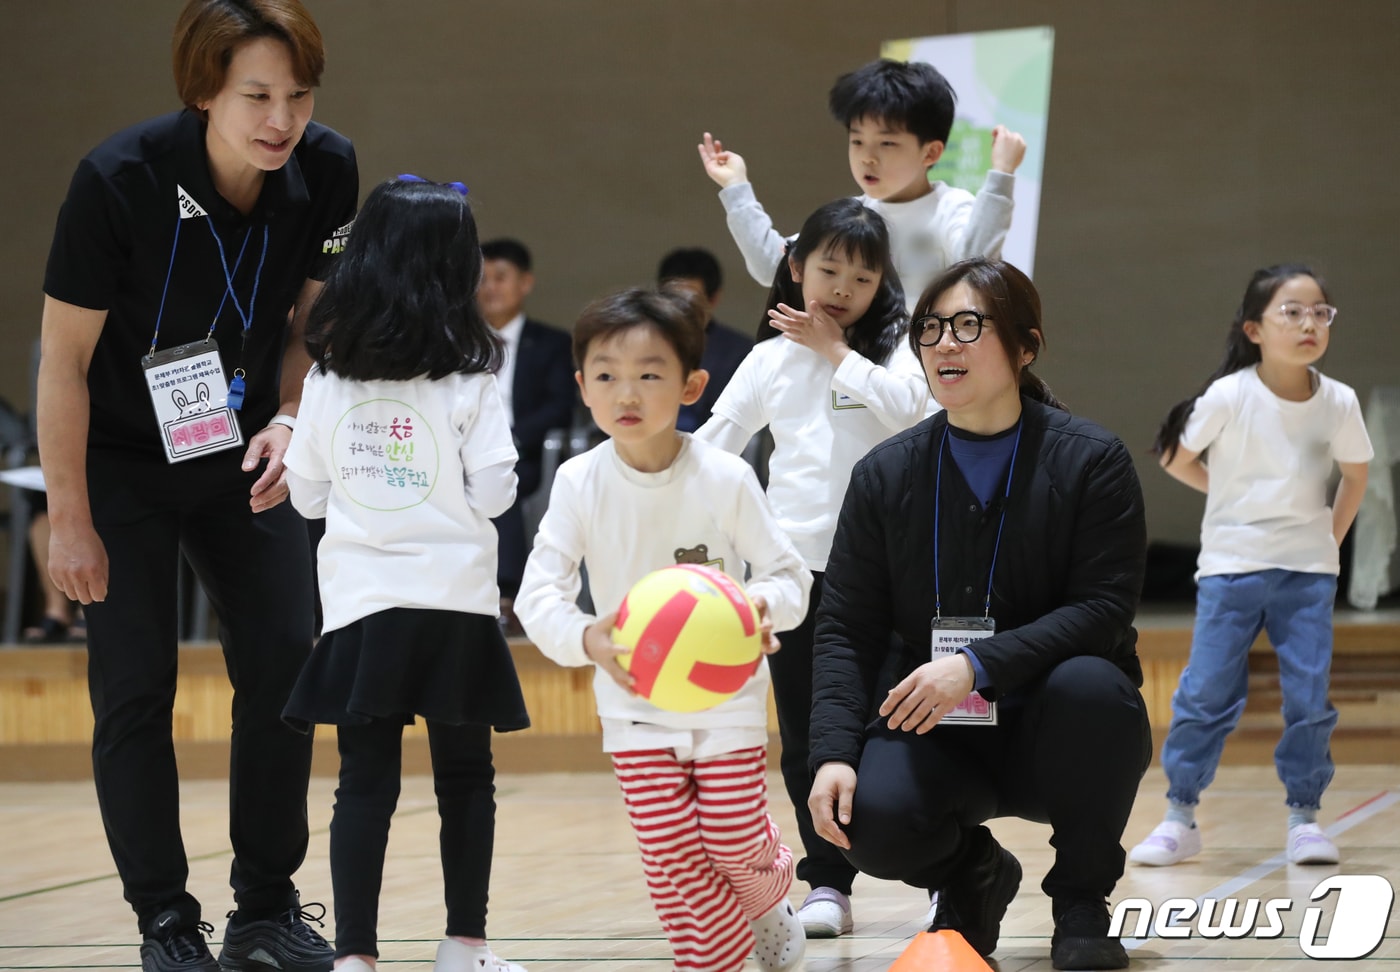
823,421
625,524
927,235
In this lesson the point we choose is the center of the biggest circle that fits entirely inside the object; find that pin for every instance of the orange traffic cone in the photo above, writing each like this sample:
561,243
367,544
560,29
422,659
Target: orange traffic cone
940,951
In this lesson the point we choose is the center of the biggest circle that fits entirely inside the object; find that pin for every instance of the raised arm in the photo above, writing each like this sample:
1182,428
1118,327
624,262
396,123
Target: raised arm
752,228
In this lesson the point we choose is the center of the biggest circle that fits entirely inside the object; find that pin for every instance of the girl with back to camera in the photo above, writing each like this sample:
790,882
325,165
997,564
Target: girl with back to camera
839,380
1260,440
403,446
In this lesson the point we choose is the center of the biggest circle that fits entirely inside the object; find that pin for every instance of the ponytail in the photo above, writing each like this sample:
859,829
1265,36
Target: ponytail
1240,351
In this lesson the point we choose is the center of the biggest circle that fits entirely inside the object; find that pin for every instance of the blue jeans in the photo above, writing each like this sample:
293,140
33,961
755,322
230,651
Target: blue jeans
1295,609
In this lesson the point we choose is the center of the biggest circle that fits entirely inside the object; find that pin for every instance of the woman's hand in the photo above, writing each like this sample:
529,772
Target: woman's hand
833,789
271,488
929,693
600,649
813,328
78,563
768,639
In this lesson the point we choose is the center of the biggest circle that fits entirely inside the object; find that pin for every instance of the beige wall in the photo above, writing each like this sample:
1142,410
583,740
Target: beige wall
1189,143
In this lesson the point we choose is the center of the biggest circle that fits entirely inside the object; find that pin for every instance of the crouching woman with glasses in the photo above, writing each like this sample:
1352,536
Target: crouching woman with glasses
975,655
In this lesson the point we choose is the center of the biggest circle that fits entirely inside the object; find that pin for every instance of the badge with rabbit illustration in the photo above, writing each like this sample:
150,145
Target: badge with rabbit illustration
699,554
190,397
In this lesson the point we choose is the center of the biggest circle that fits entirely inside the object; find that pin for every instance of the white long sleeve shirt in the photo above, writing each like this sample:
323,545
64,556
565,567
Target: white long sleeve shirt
823,421
927,235
408,475
625,524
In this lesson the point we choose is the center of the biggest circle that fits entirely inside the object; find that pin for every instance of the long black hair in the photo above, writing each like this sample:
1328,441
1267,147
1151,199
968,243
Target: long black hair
1240,351
400,302
1015,307
851,229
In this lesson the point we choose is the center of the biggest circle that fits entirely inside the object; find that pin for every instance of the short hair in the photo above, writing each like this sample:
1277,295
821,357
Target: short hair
400,301
674,312
512,251
692,263
209,31
911,95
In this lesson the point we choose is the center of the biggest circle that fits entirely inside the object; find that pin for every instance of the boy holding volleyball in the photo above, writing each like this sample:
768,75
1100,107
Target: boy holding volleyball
648,498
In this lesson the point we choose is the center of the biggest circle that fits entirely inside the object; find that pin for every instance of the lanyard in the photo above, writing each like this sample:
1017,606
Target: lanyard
937,511
246,318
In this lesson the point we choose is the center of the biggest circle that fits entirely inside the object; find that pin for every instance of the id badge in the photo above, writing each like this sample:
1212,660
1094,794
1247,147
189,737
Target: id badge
840,401
190,396
948,636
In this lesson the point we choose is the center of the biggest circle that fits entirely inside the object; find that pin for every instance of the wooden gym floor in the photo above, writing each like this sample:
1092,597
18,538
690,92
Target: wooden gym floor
568,892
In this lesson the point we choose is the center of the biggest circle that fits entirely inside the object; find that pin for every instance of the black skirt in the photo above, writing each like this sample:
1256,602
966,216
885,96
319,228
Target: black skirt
446,666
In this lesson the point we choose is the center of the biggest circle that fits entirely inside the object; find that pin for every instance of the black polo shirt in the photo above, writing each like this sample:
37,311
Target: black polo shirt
113,247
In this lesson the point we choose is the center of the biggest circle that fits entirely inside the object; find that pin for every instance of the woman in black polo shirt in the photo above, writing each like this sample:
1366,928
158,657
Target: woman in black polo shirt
186,255
999,546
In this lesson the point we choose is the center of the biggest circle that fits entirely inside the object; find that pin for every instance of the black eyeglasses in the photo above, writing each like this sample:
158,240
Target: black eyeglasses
965,325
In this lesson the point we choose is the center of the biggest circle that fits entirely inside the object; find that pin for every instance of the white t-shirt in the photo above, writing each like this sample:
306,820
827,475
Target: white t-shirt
823,420
1269,461
408,475
626,524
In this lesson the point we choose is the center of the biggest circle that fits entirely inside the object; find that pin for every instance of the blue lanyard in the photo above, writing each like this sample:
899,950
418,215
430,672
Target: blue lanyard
247,318
938,509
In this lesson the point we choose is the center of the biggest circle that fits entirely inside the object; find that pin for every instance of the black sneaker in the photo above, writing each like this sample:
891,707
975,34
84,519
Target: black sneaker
975,901
282,944
172,944
1081,938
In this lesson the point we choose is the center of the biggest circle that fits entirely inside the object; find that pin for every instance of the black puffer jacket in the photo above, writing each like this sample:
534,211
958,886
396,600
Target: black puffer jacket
1068,574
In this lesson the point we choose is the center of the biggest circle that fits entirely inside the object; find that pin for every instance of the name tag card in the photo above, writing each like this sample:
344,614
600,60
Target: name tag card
190,396
950,635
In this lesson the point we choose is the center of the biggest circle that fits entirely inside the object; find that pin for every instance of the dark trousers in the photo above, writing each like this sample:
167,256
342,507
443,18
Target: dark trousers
257,573
510,549
1071,756
791,670
464,781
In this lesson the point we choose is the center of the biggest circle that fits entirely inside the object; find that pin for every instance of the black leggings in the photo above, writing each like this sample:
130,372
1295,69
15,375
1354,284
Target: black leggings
463,779
791,669
1071,756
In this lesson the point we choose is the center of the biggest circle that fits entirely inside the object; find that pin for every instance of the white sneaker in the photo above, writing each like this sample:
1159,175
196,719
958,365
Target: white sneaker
453,956
1307,844
780,939
1169,843
825,913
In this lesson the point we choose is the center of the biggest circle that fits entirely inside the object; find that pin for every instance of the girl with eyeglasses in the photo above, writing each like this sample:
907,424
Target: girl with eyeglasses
985,571
1260,440
830,377
403,446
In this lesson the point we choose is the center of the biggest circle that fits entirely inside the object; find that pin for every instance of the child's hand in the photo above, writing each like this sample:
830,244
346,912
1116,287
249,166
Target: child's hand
813,328
765,626
1008,149
726,168
600,649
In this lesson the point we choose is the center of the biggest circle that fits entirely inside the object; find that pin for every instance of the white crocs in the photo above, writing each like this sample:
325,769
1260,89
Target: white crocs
1307,844
825,913
779,939
1169,843
453,956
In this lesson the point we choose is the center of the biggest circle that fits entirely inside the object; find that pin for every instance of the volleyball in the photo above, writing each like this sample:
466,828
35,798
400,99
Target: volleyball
693,635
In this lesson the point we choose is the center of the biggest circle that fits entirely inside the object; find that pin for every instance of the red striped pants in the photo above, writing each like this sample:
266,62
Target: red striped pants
713,856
